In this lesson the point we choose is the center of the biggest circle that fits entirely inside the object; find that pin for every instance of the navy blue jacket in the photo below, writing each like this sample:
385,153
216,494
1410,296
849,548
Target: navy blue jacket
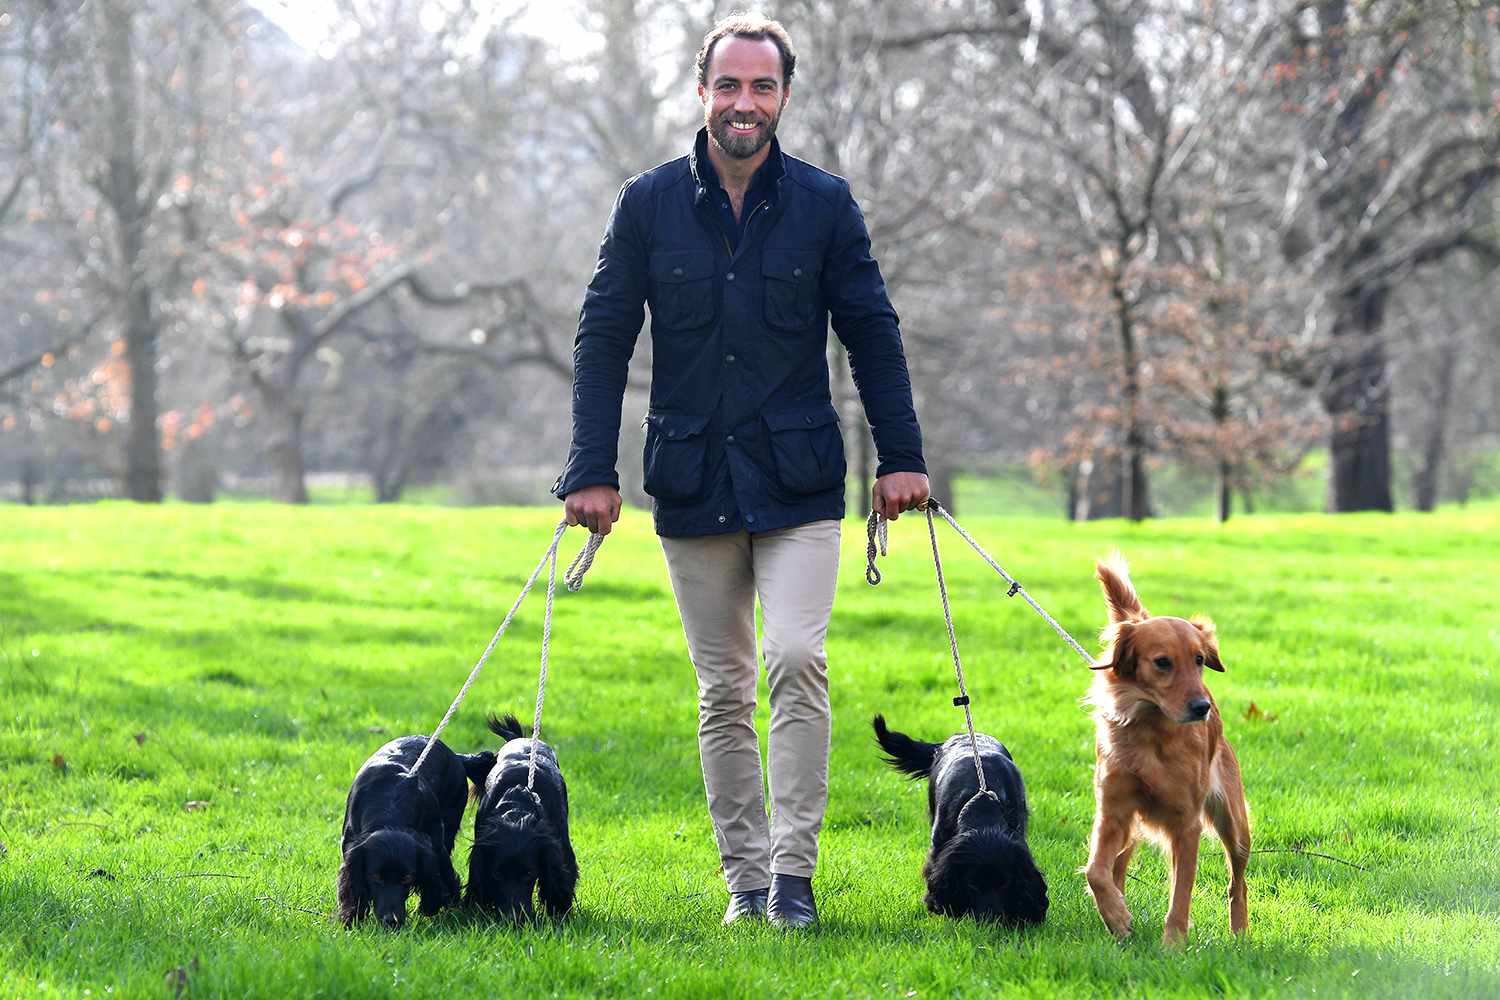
741,432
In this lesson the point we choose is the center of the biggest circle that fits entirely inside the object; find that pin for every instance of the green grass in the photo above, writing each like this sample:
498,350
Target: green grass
250,656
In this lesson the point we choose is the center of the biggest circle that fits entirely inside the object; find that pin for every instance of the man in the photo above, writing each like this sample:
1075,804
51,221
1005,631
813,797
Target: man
744,254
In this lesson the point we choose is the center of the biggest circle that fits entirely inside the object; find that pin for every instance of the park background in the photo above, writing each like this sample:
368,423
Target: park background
284,378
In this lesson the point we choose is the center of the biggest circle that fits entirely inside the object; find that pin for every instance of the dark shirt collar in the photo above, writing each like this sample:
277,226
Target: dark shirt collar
766,179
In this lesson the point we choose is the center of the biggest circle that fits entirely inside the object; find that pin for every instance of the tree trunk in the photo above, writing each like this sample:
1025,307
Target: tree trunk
1220,412
940,482
1357,398
285,449
142,445
1429,476
1135,502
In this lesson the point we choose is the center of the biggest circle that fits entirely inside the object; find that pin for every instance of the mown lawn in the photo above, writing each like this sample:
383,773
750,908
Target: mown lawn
247,658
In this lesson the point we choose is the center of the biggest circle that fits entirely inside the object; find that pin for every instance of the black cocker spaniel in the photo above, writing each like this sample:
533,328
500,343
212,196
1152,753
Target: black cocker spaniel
399,829
979,865
521,845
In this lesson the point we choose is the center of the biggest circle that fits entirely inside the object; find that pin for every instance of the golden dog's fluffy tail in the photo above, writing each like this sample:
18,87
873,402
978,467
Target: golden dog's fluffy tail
1119,592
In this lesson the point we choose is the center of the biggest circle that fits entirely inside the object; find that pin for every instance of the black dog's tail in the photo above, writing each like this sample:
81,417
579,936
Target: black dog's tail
506,726
477,766
904,753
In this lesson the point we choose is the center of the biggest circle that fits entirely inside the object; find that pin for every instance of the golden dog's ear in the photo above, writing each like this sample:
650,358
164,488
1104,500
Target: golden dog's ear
1209,635
1121,652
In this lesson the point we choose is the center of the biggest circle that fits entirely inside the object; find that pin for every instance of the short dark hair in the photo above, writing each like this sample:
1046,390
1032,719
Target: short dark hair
757,28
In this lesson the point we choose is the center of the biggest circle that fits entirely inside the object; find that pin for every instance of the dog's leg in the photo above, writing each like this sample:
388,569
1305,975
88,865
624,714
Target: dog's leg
1184,867
1123,862
1230,817
1106,845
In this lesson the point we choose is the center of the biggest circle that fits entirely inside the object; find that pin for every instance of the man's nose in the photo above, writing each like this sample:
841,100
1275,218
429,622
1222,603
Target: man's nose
744,101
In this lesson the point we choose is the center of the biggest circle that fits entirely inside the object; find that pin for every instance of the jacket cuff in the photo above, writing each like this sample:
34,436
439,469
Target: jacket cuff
900,465
571,481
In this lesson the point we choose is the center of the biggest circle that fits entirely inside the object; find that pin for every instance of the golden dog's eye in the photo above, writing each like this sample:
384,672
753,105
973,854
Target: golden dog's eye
1162,663
1198,659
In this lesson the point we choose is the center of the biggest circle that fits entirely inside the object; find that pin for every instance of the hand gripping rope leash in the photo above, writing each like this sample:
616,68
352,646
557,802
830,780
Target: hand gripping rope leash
876,531
573,579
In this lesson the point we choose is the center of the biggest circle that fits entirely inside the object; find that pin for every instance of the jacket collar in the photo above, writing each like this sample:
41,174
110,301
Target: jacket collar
705,179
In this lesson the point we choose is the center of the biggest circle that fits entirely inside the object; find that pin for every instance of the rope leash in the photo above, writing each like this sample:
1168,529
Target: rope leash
877,526
963,692
573,579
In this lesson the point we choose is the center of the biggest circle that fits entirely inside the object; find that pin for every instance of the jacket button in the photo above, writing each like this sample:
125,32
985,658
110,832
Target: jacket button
677,272
722,518
729,439
749,518
808,419
796,272
729,276
729,359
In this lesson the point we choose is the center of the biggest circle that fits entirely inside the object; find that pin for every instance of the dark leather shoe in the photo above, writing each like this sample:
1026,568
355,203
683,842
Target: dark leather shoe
749,905
791,905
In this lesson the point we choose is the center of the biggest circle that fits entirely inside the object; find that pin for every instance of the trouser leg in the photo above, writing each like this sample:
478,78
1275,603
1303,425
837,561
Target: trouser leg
713,579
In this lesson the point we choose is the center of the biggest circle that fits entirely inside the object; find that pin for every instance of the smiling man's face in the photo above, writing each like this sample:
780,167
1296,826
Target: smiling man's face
743,98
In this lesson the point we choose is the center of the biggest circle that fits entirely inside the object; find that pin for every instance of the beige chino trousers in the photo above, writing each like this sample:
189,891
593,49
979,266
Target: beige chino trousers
717,580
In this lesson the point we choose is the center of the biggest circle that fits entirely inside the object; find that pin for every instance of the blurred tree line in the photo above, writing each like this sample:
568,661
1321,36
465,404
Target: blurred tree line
1126,238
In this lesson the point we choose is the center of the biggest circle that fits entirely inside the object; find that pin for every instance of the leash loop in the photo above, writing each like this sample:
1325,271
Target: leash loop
875,530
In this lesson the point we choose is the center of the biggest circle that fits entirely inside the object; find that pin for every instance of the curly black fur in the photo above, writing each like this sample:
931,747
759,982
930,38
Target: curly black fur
521,844
399,829
979,865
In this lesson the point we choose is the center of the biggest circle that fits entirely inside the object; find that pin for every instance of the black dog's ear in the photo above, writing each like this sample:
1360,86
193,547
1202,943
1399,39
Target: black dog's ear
352,887
475,890
948,882
437,882
557,882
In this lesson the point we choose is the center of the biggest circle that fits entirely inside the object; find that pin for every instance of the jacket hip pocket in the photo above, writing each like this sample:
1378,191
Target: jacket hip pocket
675,456
807,447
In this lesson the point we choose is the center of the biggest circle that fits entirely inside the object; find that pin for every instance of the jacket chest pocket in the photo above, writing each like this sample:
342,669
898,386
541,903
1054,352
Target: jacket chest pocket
807,447
682,289
675,458
791,289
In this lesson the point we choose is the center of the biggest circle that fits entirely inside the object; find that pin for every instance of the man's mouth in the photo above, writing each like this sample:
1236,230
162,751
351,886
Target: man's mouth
742,127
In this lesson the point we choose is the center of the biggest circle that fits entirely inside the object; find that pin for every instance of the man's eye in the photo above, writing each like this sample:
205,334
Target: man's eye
1162,663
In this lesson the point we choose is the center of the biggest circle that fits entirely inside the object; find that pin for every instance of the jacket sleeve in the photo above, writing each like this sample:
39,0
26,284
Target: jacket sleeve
867,325
608,325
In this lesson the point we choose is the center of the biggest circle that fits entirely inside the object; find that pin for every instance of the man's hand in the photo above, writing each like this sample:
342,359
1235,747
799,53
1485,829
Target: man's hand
898,492
595,507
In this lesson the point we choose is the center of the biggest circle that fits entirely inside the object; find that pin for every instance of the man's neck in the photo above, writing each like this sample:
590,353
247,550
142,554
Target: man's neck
735,174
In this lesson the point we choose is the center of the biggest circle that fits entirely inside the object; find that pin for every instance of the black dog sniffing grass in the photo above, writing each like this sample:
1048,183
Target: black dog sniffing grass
979,865
399,829
521,844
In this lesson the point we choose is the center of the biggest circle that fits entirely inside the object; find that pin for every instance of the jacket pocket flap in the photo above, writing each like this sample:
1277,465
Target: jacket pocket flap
788,265
677,425
803,417
673,266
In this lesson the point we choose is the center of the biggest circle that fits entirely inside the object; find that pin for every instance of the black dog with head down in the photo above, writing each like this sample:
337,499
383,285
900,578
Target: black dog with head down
521,844
979,865
399,829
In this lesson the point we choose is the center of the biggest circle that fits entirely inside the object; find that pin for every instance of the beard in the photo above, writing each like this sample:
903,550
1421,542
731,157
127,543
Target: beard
738,145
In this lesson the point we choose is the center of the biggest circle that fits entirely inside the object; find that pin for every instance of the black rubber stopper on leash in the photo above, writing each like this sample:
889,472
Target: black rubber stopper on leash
1015,588
960,701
